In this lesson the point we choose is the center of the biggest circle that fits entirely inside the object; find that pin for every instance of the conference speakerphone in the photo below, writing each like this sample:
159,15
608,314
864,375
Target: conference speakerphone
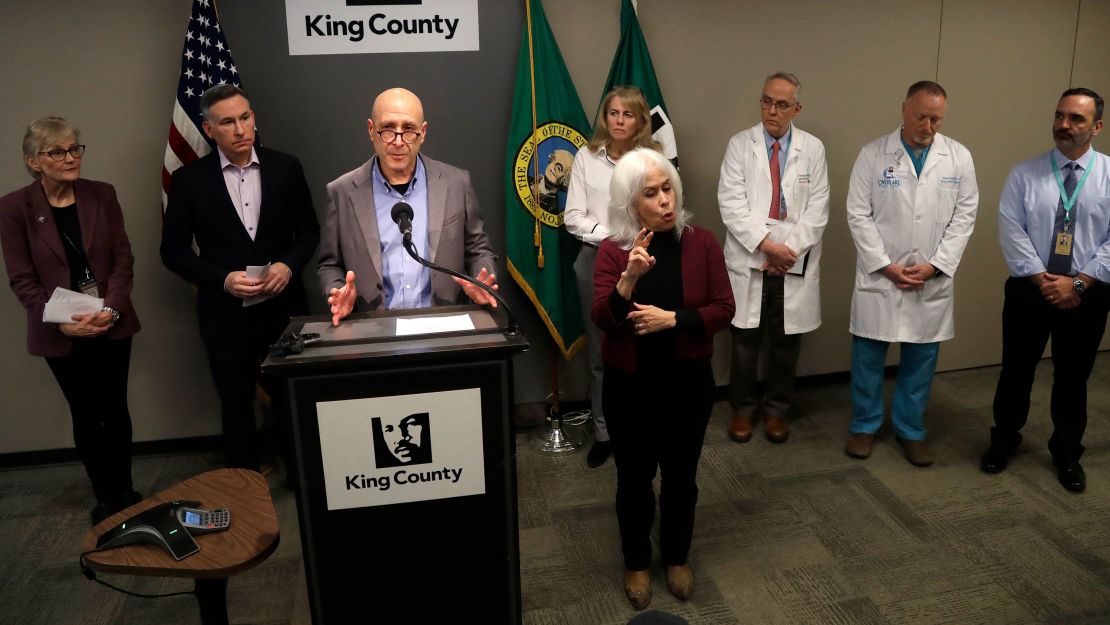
169,525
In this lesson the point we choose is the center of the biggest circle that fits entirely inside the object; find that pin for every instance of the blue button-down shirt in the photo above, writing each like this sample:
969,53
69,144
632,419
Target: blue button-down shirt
1027,216
407,283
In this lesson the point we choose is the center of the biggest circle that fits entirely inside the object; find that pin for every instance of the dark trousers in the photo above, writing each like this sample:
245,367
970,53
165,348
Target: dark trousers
235,364
1027,323
782,360
93,378
657,421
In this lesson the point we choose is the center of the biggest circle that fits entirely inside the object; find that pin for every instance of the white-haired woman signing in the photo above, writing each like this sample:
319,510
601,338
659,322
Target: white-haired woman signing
661,293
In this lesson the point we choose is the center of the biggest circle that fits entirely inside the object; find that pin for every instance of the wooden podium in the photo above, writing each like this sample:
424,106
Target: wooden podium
406,476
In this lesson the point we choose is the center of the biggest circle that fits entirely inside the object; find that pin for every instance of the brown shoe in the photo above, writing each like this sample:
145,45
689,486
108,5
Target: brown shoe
680,581
740,428
919,453
859,445
776,428
637,587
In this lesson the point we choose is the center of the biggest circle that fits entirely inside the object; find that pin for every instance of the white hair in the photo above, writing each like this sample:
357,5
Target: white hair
627,185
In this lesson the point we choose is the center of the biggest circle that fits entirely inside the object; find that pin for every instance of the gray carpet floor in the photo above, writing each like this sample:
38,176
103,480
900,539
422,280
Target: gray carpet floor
786,534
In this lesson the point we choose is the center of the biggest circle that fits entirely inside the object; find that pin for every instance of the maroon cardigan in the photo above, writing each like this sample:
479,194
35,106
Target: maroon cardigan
36,259
705,289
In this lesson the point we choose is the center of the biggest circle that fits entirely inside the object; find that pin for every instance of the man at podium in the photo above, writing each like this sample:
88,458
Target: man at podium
363,265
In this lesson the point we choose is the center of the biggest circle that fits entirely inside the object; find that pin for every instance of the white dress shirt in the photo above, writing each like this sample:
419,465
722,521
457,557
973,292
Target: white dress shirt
587,209
244,185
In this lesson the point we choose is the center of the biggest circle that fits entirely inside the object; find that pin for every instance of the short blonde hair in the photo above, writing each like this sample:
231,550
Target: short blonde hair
46,131
626,186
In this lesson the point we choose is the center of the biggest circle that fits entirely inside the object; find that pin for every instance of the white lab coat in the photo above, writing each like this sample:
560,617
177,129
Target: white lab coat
893,213
744,196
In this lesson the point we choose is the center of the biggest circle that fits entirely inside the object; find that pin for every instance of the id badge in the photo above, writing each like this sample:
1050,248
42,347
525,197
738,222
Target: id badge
88,287
1063,244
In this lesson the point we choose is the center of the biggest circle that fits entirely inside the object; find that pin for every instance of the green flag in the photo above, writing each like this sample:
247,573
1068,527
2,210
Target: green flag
632,66
548,127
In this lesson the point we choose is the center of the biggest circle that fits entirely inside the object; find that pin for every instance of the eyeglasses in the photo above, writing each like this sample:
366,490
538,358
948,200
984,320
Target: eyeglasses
408,136
781,105
59,154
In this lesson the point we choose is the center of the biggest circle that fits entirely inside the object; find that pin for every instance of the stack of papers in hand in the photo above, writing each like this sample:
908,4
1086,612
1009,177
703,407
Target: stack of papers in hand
64,304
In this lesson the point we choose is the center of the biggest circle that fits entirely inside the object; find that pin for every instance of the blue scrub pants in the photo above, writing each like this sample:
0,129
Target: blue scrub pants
911,391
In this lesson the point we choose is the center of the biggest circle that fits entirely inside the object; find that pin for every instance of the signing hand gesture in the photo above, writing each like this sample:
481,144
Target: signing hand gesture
87,325
648,319
639,261
476,294
342,301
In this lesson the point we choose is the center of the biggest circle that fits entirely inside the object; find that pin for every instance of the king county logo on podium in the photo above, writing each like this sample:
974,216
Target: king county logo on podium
545,195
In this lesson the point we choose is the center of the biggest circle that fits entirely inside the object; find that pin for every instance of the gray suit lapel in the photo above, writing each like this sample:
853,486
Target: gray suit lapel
437,200
365,217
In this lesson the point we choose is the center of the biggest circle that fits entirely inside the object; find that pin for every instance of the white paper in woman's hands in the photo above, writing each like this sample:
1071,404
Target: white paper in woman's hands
64,304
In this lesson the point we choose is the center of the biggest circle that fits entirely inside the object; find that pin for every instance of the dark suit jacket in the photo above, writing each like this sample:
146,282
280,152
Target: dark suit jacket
36,259
199,207
706,291
456,235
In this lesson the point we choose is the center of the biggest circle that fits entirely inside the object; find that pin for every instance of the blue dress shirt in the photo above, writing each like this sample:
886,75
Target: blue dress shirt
407,283
784,147
1027,216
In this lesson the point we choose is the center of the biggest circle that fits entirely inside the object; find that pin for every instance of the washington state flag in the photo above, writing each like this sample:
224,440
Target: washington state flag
548,127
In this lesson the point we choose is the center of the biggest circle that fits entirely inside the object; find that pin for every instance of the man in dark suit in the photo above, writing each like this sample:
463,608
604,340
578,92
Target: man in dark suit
363,265
250,212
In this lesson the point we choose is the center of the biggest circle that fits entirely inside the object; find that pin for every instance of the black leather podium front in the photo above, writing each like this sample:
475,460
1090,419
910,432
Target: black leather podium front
406,489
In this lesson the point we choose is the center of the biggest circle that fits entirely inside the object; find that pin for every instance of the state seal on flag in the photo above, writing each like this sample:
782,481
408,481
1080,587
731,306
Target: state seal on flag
541,170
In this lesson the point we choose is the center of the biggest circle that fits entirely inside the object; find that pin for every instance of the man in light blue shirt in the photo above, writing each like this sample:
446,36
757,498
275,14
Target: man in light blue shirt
1053,222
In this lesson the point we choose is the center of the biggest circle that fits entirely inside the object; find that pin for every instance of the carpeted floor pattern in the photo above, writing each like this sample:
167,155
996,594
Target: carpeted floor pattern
791,534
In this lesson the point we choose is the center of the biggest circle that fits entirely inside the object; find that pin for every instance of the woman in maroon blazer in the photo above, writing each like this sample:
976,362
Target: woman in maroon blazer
661,292
64,231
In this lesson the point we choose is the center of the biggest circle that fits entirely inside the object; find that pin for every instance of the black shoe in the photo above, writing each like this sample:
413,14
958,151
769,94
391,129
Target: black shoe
101,511
599,453
1072,476
995,459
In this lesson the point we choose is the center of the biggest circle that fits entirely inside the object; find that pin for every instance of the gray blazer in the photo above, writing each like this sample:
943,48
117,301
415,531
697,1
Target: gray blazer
349,241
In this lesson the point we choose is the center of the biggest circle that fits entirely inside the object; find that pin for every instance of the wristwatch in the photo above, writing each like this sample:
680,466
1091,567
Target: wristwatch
1079,286
113,312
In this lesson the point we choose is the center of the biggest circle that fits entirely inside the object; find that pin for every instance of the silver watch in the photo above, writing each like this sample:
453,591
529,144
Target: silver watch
1079,286
113,312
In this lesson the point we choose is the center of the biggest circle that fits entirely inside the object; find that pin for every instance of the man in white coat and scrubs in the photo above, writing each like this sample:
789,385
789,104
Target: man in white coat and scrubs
774,200
912,199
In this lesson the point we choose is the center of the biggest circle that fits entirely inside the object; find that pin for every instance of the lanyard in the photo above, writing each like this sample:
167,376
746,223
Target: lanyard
88,273
1069,202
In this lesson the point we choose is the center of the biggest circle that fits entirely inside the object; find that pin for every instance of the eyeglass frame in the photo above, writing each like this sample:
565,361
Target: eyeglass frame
381,135
766,103
61,154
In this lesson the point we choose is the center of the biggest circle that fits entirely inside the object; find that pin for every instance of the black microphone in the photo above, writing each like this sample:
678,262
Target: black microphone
402,216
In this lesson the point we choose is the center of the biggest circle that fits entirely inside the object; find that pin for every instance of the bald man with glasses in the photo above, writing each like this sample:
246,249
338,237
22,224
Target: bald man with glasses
363,265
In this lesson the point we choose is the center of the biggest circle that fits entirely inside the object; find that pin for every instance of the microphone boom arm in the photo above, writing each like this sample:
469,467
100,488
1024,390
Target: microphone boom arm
513,328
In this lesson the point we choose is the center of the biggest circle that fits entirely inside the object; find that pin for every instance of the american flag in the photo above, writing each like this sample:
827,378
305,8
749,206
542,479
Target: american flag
205,61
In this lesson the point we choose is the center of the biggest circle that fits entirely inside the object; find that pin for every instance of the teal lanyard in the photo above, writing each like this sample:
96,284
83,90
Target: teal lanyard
1069,202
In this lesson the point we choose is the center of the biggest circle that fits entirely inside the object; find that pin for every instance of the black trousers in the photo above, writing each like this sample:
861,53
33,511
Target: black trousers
782,356
1027,323
235,364
93,378
657,421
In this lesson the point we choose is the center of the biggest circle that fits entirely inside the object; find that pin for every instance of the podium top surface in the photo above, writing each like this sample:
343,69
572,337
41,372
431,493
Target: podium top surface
392,337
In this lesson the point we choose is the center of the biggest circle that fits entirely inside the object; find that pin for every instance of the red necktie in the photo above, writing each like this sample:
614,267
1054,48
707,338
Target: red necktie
776,181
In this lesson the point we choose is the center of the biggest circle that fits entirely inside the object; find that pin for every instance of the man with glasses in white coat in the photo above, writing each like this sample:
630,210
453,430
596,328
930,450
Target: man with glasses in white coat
912,199
774,201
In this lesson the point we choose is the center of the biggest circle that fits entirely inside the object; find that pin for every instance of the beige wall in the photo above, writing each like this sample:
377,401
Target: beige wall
1003,63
